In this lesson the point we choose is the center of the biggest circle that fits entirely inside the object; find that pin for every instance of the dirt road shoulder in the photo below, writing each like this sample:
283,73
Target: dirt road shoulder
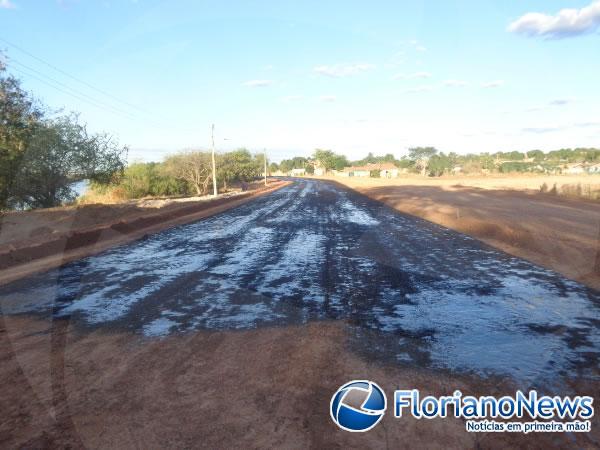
19,259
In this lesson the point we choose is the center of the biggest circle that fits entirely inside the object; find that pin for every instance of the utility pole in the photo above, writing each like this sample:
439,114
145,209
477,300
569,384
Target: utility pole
265,150
214,166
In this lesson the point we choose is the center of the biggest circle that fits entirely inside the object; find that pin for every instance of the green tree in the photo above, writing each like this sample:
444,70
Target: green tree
60,152
20,115
326,158
239,165
420,156
330,160
438,164
151,179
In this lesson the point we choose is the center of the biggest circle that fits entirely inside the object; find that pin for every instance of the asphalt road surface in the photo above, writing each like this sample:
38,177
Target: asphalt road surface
411,292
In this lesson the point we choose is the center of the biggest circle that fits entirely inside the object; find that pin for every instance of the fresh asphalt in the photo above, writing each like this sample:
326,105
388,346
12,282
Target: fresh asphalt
411,292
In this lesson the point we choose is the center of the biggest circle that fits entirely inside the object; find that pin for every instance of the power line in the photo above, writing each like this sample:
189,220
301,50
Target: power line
95,101
75,93
71,76
63,90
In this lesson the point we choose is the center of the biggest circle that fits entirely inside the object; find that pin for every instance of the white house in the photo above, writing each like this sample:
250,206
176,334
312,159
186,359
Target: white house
575,169
358,171
594,168
341,173
388,170
298,172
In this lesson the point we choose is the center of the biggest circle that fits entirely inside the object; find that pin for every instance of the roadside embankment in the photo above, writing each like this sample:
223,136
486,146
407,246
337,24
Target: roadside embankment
33,241
556,232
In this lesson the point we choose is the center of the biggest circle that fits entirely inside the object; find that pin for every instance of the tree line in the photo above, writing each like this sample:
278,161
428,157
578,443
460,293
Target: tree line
429,161
183,173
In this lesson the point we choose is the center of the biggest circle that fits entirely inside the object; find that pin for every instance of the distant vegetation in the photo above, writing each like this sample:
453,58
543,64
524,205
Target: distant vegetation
428,161
184,173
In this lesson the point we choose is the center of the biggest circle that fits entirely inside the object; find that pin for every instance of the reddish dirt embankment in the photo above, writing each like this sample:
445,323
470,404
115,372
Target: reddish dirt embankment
38,240
262,388
558,233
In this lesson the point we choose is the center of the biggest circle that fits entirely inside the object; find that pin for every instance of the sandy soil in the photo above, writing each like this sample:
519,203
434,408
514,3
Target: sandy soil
38,240
508,213
266,388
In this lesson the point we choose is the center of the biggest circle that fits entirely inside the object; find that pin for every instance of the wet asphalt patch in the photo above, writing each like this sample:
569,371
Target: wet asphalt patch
413,292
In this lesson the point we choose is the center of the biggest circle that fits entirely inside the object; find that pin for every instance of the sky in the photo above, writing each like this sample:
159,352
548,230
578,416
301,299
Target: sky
287,76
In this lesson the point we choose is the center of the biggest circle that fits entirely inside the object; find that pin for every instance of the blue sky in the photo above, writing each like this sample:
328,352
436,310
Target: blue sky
380,76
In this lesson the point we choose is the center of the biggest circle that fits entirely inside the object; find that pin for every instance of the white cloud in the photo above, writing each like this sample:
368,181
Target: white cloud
421,48
291,98
409,76
7,4
455,83
328,98
258,83
418,89
342,70
492,84
561,101
543,129
567,22
552,103
587,124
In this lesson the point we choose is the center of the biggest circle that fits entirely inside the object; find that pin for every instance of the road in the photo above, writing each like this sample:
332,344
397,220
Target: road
412,292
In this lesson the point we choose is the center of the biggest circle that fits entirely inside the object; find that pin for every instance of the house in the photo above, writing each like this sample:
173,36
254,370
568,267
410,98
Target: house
298,172
594,168
575,169
319,171
360,171
340,173
388,170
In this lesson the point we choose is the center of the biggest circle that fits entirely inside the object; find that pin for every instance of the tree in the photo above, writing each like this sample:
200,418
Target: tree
438,164
372,159
297,162
339,162
41,157
330,160
420,156
239,165
60,152
193,167
150,179
326,158
19,116
537,155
